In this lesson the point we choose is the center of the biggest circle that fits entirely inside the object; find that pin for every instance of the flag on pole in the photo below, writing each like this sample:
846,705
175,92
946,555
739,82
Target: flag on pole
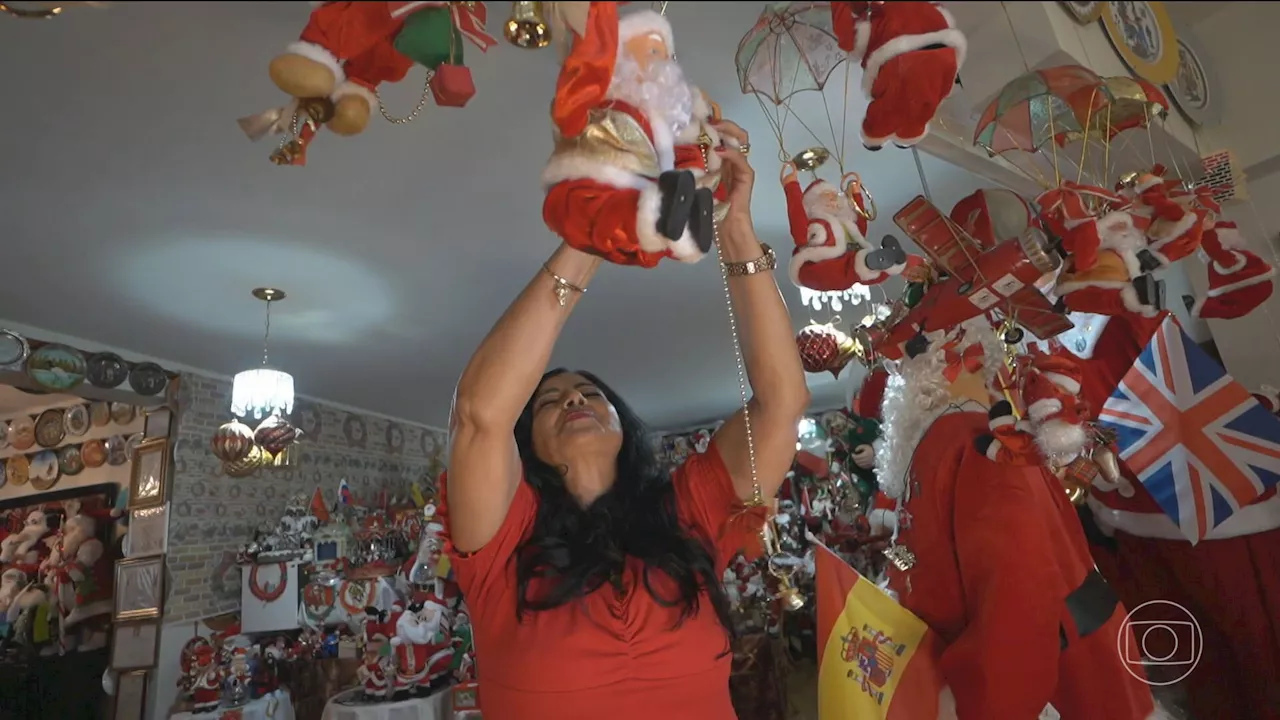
318,508
876,660
415,492
344,493
1197,440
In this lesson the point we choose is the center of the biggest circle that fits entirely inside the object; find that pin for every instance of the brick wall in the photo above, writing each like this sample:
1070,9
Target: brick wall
211,514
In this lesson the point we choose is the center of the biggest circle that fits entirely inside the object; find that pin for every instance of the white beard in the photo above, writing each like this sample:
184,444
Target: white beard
660,91
917,394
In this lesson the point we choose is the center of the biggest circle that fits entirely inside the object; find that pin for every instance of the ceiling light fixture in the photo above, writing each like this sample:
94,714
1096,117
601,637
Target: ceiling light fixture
263,391
42,11
835,300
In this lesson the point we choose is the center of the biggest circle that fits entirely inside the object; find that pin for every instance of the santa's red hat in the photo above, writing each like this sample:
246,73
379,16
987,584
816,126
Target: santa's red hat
1220,241
1057,416
991,216
866,403
1236,290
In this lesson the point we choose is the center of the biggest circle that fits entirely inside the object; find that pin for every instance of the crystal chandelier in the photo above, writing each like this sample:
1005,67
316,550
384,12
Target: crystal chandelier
835,300
263,391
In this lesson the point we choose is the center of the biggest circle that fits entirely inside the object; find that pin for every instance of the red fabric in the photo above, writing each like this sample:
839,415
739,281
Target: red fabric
1230,586
612,655
867,402
586,74
598,219
911,85
842,22
998,549
382,63
1253,285
350,29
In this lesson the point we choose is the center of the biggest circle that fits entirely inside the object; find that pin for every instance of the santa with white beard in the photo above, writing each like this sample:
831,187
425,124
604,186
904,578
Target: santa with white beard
634,177
829,228
992,555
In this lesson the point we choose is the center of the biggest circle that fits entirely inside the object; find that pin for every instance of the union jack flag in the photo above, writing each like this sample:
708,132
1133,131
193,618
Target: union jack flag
1195,438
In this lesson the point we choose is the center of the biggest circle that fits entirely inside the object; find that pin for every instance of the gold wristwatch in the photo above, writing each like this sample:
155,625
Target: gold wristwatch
766,262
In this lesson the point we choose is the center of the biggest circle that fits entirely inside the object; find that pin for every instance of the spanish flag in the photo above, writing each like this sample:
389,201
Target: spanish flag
877,660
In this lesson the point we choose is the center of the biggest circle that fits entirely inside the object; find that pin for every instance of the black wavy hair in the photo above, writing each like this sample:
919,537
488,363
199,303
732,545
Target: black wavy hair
575,550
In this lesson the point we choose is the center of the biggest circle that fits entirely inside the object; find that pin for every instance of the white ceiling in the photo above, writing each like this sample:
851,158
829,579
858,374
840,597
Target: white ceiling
135,214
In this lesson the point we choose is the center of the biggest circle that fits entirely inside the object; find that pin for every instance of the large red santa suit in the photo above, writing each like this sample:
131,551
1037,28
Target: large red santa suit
1001,572
911,54
609,201
1229,582
1239,281
832,253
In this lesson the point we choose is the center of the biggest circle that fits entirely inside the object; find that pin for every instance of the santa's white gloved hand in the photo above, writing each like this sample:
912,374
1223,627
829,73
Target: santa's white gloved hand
864,456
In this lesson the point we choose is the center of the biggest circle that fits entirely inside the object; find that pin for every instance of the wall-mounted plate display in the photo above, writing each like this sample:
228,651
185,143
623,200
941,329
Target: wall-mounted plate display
1143,35
107,370
57,367
13,350
1083,12
1195,89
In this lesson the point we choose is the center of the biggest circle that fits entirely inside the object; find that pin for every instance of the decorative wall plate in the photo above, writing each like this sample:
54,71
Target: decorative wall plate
16,470
13,350
147,378
94,453
4,434
76,420
70,461
43,471
50,428
1083,12
57,367
107,370
123,413
1195,88
99,413
22,433
1143,35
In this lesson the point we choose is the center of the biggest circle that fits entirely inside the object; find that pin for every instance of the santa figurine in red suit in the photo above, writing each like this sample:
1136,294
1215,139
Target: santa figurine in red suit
1239,280
206,689
992,555
911,53
423,650
829,228
373,676
634,177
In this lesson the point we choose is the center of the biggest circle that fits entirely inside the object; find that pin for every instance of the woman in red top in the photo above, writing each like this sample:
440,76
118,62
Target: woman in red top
592,575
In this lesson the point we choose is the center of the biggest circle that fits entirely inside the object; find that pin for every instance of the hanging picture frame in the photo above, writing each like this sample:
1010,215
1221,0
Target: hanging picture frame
131,695
148,532
1195,89
135,646
1143,35
149,478
139,588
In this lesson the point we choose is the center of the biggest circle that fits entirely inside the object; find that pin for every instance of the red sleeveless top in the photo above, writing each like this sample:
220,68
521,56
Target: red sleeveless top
613,655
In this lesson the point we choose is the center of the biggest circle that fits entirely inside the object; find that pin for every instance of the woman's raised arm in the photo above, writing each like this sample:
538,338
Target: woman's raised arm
484,465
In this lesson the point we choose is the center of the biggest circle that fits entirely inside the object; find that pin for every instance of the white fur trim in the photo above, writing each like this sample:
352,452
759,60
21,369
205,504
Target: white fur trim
1167,232
861,36
815,252
1241,284
1235,267
685,249
409,7
1001,421
574,166
311,51
1230,238
865,273
993,450
639,23
947,705
871,65
1151,182
1249,520
351,88
1198,306
1058,438
886,519
1070,384
1041,409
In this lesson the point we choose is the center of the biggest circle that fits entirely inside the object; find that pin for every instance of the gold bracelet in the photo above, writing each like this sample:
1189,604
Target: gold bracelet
766,262
563,287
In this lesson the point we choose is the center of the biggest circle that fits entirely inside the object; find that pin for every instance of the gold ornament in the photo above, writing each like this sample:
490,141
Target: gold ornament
901,557
245,467
789,597
232,442
285,154
811,159
527,27
319,109
288,456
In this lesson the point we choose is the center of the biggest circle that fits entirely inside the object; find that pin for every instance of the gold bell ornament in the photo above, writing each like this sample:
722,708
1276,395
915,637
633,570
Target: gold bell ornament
788,596
527,27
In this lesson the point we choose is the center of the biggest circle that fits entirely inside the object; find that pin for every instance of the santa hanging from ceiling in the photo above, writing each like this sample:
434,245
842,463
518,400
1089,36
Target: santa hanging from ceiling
634,177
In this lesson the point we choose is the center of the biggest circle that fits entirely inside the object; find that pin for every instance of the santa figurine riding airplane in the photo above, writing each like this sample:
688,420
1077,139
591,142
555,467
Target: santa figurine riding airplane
634,176
422,646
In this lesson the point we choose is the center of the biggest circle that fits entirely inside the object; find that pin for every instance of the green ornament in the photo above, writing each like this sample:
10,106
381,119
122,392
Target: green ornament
430,38
913,294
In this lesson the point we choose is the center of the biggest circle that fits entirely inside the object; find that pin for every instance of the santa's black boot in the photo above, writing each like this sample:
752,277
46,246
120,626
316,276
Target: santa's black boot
677,190
1148,261
889,255
1145,288
702,222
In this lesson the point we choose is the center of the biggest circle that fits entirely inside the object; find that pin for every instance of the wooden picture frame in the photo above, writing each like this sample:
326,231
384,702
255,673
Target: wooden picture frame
135,646
158,422
131,696
148,532
149,474
139,589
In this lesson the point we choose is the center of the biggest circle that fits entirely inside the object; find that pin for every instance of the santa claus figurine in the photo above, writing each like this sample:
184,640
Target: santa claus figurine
373,676
1239,280
422,646
24,546
911,53
206,689
829,228
634,177
992,555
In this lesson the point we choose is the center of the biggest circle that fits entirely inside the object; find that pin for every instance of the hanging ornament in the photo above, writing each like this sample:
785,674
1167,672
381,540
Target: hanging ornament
825,348
268,593
528,27
275,434
232,442
1077,477
246,466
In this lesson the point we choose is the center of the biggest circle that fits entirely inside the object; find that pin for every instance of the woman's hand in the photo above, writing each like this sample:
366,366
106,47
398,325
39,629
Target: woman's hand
738,176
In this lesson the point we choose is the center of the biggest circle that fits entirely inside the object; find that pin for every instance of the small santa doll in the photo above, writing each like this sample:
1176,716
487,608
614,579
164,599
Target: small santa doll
373,676
829,228
421,644
911,54
634,177
24,546
206,689
1239,280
